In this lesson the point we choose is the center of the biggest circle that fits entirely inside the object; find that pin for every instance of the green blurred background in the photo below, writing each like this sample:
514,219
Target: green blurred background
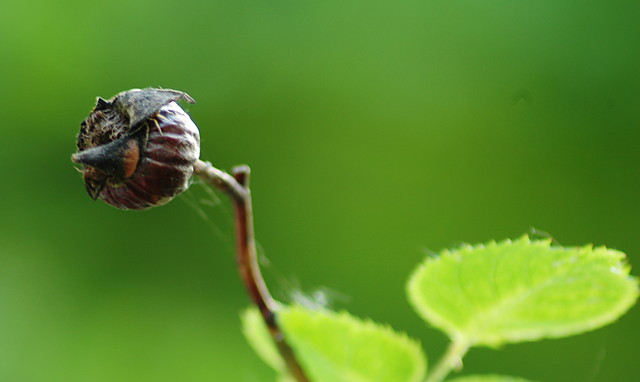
377,131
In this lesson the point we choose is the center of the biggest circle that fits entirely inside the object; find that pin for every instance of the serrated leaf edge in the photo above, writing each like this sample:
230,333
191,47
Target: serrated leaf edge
367,324
268,353
619,265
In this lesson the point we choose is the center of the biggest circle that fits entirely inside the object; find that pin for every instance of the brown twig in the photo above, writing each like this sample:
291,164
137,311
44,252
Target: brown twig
237,187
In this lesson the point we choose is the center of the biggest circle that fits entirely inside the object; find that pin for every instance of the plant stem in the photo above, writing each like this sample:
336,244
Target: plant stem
237,188
451,360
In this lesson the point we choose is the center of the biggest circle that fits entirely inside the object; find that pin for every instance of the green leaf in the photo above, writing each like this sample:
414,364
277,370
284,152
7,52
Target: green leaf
487,378
337,347
285,378
521,290
256,333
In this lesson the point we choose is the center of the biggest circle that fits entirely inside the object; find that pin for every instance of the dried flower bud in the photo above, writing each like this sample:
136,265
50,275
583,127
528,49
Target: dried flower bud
138,148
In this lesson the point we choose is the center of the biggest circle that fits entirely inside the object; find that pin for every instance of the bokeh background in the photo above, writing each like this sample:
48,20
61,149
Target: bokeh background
377,131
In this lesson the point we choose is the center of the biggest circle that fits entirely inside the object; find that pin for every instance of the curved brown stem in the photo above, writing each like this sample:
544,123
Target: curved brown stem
237,187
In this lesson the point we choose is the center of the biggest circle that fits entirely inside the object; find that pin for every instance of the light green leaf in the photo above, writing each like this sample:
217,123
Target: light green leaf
256,333
337,347
521,290
285,378
487,378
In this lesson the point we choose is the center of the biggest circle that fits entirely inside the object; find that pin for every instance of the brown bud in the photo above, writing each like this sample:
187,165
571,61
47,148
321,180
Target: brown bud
138,148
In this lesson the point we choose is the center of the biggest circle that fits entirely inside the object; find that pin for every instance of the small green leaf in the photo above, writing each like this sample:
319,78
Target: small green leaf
256,333
337,347
521,290
487,378
285,378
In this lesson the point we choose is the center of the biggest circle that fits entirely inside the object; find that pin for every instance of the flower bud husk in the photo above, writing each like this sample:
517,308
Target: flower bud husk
138,148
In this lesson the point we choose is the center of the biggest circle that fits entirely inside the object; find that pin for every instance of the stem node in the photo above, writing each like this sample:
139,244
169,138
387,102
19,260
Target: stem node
237,187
